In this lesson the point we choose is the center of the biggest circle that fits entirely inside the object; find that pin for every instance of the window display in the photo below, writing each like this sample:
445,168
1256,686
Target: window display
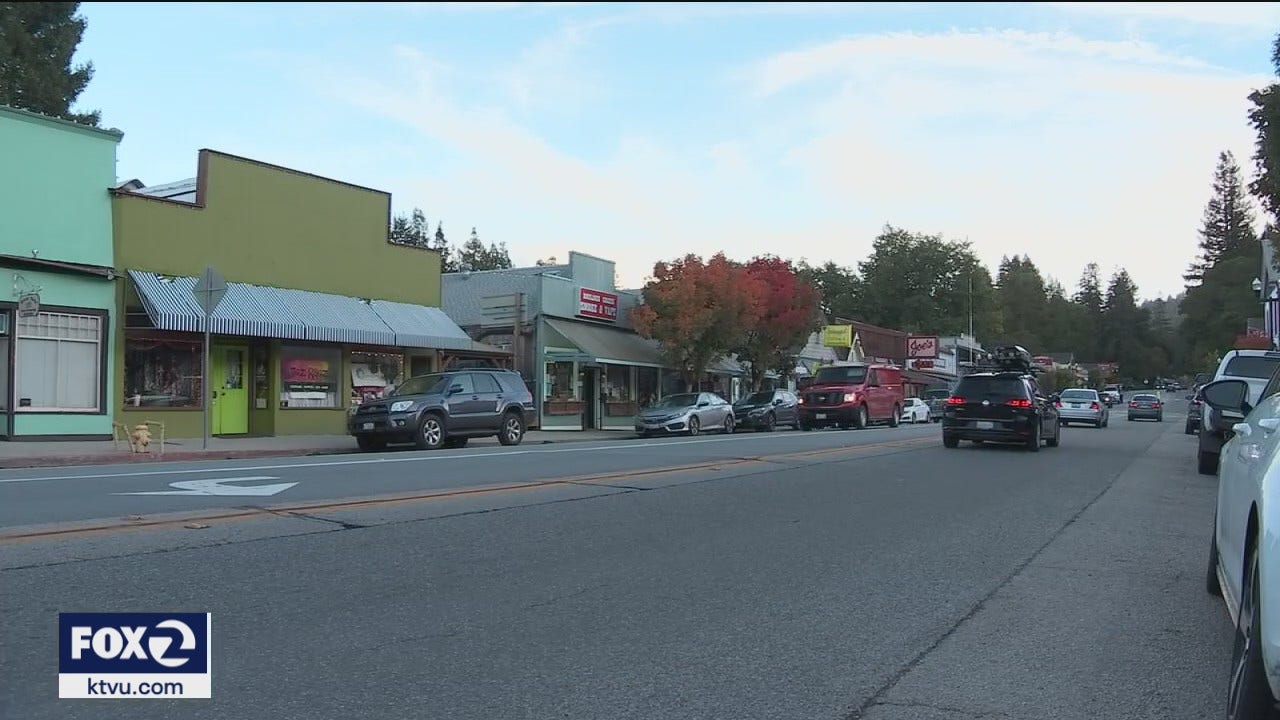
373,375
310,377
59,362
560,381
161,372
646,386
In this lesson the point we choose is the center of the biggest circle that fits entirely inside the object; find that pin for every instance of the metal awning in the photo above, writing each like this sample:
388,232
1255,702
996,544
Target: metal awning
424,327
335,318
244,310
609,345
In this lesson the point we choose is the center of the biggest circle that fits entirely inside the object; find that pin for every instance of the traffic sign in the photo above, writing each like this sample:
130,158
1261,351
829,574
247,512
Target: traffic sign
209,290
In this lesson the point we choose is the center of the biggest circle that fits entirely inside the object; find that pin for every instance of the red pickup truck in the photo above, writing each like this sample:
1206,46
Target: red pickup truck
852,395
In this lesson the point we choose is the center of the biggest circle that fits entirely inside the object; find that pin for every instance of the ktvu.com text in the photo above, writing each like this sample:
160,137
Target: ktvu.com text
134,655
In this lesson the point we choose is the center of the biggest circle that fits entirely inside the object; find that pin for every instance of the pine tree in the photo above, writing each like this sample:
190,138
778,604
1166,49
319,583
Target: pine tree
1227,229
448,261
37,42
1089,297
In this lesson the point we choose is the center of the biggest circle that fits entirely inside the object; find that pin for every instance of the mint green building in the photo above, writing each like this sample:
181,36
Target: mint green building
57,282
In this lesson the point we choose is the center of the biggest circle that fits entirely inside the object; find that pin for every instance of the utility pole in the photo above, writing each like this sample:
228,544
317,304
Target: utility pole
970,302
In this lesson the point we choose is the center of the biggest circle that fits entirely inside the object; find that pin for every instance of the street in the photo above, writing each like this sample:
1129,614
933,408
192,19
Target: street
857,574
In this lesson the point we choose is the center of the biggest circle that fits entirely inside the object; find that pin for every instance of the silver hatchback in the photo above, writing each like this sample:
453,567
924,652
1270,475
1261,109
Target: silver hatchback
1080,405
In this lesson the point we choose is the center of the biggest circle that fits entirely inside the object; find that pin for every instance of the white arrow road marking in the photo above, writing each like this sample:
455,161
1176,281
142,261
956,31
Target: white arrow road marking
218,486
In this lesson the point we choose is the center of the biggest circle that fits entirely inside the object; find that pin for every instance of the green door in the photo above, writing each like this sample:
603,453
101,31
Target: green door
231,397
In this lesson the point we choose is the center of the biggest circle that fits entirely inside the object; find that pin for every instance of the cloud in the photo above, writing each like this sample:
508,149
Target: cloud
1262,15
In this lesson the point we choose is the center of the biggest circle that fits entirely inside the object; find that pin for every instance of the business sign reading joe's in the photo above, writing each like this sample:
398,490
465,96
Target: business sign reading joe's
134,655
922,346
597,305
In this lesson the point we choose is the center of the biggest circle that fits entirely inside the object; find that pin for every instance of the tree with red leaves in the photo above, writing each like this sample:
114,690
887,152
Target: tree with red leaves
698,311
789,310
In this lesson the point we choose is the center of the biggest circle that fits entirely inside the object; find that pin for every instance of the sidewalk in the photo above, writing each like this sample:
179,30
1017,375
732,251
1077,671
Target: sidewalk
20,454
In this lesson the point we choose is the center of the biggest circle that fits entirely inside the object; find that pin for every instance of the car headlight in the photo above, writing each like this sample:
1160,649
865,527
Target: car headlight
850,397
401,406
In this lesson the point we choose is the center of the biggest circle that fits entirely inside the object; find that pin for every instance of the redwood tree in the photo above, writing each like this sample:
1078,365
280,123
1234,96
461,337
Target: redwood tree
789,310
698,311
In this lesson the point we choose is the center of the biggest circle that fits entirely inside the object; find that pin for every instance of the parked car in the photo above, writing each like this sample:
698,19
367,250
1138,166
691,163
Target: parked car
915,410
1082,405
1255,368
1110,397
1145,406
766,410
445,410
1244,562
853,395
937,400
1194,404
687,413
1005,406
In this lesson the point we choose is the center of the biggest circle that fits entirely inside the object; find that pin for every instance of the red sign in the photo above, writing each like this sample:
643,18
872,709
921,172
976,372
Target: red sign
922,347
597,305
924,364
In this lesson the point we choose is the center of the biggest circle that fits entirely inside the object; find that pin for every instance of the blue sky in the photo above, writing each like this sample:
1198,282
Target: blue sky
1070,132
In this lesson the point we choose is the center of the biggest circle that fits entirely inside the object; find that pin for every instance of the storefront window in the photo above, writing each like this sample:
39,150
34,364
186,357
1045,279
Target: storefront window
646,386
617,387
59,363
560,384
373,375
673,383
161,372
310,377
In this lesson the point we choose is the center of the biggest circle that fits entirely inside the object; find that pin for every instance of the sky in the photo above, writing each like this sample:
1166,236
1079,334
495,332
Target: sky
1069,132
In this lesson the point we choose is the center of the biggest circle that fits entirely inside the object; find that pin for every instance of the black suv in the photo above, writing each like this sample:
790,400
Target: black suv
445,410
1004,405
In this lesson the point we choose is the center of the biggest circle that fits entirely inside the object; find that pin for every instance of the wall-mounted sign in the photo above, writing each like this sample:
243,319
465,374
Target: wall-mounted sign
837,336
29,305
307,375
597,305
924,364
922,346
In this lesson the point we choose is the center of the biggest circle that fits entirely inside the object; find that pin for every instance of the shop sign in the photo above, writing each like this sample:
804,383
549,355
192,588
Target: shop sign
922,346
597,305
307,375
840,336
29,305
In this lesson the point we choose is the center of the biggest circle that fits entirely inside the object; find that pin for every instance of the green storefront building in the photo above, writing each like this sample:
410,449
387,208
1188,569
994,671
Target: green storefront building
57,282
321,310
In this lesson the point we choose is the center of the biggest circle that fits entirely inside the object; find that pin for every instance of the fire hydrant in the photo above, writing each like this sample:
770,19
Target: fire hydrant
140,439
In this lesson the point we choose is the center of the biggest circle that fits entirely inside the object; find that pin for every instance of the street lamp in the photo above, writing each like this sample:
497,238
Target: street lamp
1257,285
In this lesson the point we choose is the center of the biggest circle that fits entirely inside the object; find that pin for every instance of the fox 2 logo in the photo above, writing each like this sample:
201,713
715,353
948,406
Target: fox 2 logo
133,643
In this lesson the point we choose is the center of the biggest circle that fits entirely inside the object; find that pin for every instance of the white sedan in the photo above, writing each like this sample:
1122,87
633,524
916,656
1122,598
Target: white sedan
1244,552
915,410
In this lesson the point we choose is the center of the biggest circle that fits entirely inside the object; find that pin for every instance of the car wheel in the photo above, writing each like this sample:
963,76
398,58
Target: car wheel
455,443
728,424
1211,584
805,427
770,423
1057,437
896,418
1106,421
1160,418
512,430
1207,462
695,425
1033,442
1130,418
860,420
1188,429
368,444
430,433
950,441
1248,693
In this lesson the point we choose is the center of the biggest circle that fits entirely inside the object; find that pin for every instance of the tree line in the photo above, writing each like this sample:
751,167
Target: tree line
413,230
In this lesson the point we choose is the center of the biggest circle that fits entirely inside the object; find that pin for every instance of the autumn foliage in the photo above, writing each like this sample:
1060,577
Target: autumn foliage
702,310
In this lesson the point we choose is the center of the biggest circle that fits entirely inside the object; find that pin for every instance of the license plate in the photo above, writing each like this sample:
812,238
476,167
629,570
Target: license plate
984,425
367,426
1075,405
821,416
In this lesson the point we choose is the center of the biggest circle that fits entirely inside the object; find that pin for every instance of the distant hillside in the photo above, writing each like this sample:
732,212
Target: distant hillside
1164,312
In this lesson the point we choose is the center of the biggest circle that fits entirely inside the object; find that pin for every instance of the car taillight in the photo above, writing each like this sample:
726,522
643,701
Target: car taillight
1133,404
1157,406
1057,404
955,401
1019,403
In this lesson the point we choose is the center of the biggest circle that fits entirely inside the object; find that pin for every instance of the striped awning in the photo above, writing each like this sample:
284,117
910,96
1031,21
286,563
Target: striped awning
421,326
244,310
335,318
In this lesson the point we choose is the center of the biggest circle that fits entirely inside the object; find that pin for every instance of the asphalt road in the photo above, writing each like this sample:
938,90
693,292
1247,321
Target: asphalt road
865,574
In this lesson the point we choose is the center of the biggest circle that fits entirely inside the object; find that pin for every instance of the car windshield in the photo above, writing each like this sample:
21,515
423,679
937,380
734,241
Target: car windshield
991,388
852,374
678,401
759,398
1251,366
421,385
1079,395
1146,398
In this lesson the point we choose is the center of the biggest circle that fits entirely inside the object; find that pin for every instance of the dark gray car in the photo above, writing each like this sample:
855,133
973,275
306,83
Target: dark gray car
445,410
767,410
1146,407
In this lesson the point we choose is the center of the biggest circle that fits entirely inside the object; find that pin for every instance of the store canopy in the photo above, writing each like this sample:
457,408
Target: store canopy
258,311
609,345
421,326
727,366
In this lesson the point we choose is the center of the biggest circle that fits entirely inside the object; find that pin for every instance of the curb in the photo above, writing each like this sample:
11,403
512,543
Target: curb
54,461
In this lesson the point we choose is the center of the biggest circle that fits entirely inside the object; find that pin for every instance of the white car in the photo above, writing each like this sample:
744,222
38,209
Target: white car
915,410
1244,557
1255,367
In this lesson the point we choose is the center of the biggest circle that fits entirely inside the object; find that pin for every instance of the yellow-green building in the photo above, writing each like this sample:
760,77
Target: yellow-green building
321,311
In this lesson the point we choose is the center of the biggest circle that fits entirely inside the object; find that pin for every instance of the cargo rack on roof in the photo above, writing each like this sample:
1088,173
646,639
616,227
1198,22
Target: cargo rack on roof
1009,358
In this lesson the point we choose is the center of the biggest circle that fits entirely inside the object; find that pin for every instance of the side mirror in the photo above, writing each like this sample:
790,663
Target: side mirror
777,401
455,389
703,403
1055,397
1227,396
